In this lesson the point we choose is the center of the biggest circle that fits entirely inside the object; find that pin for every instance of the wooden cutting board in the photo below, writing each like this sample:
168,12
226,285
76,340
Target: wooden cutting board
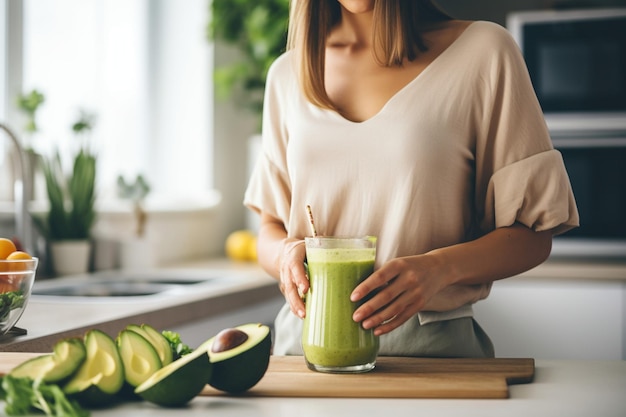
393,377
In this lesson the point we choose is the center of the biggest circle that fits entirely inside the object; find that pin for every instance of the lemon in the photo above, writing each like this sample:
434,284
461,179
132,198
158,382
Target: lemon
241,246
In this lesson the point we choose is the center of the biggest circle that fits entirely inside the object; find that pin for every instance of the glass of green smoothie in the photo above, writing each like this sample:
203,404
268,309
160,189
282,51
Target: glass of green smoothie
331,340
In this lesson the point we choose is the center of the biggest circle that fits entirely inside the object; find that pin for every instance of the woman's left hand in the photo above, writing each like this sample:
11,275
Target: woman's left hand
399,290
405,286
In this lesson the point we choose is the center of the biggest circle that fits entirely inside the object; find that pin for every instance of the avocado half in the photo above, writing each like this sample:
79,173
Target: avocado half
66,357
100,377
239,368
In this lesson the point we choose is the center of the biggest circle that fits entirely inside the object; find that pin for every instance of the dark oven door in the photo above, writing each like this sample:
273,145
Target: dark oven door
597,172
578,65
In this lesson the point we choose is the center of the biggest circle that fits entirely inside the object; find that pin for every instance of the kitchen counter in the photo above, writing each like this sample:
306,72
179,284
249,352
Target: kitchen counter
560,388
48,319
579,269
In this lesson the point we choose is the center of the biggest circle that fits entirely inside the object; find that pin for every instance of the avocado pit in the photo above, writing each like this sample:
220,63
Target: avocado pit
228,339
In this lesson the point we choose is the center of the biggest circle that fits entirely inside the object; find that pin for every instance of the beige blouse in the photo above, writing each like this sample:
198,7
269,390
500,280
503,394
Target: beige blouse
459,151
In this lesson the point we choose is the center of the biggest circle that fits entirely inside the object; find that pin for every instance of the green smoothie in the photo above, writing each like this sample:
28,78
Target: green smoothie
331,340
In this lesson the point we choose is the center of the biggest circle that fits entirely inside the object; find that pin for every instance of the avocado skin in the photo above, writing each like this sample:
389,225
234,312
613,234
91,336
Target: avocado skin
93,397
244,370
167,393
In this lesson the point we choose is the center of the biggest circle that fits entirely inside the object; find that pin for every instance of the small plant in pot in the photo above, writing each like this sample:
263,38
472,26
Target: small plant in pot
136,192
71,195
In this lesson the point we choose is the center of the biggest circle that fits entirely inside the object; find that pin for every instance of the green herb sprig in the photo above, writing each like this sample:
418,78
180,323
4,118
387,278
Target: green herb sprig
23,396
177,345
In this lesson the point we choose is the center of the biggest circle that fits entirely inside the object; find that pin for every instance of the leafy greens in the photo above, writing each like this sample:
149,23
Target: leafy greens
178,347
23,396
9,301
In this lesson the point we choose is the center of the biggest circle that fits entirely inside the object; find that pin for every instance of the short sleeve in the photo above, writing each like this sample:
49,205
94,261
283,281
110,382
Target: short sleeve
269,188
535,192
520,177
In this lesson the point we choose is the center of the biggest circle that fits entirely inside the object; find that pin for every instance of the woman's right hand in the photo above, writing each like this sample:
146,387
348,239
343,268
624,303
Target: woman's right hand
283,258
293,282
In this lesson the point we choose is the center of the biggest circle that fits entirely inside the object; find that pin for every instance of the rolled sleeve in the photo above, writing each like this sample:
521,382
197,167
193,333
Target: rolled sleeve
534,191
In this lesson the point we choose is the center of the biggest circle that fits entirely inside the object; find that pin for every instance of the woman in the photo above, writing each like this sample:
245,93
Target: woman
390,118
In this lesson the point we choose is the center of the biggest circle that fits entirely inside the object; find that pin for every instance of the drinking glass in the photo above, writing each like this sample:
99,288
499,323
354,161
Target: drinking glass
331,340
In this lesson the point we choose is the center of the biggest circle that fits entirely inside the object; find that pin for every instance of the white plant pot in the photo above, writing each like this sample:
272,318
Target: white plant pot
70,257
136,254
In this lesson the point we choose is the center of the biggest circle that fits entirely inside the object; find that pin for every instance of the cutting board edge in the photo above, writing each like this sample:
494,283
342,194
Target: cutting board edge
502,393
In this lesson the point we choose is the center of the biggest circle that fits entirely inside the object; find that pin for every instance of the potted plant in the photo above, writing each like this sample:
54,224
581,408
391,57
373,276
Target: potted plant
136,192
29,104
71,195
258,30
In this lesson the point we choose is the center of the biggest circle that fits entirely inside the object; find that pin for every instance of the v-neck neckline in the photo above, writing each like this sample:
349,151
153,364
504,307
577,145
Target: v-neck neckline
408,85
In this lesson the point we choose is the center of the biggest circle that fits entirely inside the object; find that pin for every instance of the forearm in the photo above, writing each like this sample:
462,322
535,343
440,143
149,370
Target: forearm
273,243
500,254
269,246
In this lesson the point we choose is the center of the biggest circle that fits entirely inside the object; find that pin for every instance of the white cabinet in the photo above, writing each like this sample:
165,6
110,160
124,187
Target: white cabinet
548,318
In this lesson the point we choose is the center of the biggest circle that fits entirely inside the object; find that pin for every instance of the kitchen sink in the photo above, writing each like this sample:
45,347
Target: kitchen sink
113,288
119,285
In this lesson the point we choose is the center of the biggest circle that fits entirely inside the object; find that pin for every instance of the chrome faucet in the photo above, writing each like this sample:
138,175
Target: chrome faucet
21,194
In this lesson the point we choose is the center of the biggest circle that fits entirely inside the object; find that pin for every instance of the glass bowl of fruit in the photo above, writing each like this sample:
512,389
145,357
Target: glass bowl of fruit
17,274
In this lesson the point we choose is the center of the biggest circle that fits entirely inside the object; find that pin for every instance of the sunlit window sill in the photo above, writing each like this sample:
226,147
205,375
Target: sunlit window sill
175,229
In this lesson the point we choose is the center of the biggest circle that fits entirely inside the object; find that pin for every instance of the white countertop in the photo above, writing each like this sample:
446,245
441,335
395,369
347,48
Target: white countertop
560,388
48,318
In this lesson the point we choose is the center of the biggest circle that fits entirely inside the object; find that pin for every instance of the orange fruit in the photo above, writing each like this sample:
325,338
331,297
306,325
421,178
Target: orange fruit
18,255
15,256
7,247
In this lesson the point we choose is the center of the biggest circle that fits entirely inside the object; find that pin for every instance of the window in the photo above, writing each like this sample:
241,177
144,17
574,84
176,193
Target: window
142,67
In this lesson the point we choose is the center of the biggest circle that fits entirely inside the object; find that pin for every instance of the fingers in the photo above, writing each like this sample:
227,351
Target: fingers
293,280
399,294
375,281
390,317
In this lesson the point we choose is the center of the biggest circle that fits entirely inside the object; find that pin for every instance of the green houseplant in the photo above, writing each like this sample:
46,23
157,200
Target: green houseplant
258,30
71,196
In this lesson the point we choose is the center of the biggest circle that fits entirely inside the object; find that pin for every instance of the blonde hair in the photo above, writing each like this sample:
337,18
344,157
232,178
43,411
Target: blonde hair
396,34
